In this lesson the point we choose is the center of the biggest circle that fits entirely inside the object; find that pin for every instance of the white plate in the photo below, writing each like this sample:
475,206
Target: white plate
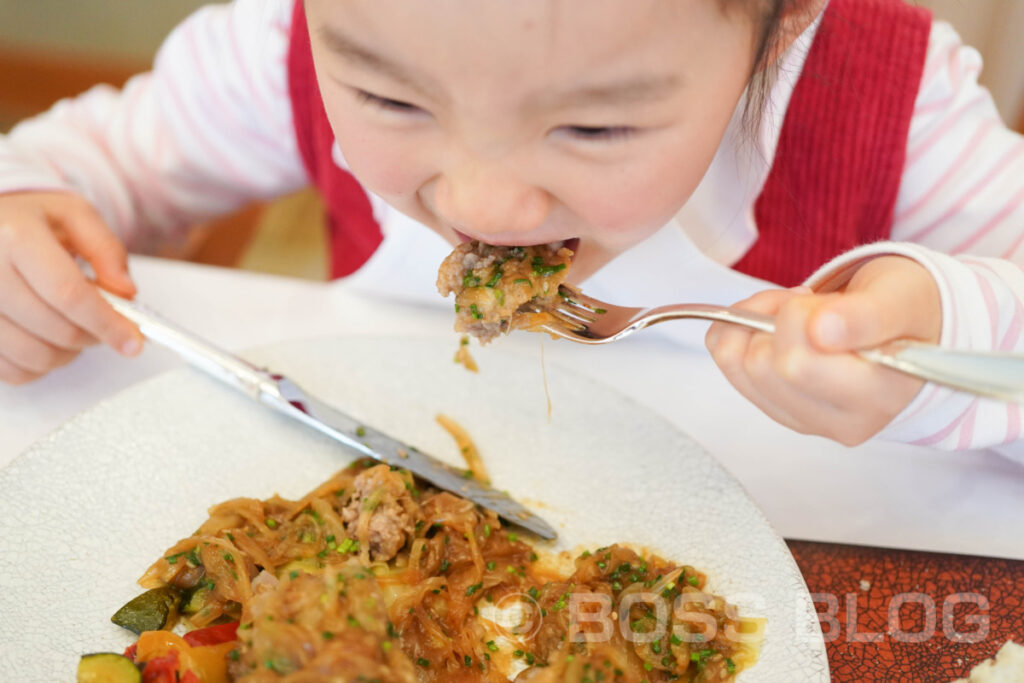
84,511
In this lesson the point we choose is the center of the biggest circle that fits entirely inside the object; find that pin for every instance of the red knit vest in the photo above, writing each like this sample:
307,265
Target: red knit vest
837,167
840,155
353,234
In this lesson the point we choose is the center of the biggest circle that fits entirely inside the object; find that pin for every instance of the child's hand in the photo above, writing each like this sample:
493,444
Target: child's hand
803,376
49,310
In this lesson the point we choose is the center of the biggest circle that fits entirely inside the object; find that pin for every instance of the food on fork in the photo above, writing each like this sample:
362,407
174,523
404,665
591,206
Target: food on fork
497,288
375,575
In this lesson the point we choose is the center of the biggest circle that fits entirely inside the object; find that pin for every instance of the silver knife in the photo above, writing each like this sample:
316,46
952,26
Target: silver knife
285,396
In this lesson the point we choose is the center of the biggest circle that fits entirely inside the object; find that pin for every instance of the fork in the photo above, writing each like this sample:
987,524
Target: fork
580,318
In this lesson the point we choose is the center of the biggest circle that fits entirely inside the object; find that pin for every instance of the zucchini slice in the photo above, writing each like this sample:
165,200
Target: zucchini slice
107,667
194,599
151,611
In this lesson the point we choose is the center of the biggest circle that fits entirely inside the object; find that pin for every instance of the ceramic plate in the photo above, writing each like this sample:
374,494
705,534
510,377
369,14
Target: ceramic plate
84,511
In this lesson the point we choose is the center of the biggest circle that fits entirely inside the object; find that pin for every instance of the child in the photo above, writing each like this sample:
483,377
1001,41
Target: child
767,136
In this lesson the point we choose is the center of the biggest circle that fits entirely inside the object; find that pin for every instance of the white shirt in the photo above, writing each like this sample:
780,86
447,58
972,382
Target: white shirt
210,128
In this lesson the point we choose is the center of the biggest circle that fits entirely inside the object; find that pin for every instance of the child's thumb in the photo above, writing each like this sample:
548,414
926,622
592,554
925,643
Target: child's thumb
856,320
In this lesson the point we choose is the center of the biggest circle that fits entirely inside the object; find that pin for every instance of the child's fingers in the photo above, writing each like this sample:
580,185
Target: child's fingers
837,402
88,236
30,353
766,302
888,299
745,356
858,321
12,374
794,360
747,366
23,306
53,274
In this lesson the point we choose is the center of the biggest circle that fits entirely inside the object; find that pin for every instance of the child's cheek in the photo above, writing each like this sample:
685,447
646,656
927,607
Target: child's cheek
379,157
626,209
378,162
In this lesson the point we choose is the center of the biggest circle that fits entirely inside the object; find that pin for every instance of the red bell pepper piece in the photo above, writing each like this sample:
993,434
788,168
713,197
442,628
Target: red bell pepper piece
161,669
190,677
212,635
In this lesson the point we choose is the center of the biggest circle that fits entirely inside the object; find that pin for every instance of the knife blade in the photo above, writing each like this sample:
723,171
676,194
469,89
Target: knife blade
383,448
287,397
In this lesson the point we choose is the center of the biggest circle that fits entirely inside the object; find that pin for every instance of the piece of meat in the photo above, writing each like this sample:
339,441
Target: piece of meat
495,287
382,511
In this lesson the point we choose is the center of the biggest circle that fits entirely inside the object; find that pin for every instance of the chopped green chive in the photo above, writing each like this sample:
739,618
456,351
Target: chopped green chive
539,268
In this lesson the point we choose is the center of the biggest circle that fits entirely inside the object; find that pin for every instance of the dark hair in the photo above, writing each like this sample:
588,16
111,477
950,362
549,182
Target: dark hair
767,16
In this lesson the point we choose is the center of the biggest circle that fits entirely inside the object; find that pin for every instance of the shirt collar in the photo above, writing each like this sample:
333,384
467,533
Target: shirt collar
719,216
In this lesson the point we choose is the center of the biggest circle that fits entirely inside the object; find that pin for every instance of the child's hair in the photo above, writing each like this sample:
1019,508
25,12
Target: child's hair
767,16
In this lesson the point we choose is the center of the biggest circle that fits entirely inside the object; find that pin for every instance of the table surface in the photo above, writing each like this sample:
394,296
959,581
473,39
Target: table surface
896,536
902,615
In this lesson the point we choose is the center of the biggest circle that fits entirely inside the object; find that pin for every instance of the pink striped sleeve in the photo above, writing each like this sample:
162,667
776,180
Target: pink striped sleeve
963,183
960,213
208,129
983,309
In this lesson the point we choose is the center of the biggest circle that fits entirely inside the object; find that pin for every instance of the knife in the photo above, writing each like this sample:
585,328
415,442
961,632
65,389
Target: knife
287,397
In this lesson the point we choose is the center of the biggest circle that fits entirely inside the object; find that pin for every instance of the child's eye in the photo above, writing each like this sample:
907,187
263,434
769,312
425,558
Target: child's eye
386,103
599,132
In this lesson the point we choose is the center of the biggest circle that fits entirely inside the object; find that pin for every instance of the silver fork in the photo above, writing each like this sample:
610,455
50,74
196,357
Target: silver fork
583,319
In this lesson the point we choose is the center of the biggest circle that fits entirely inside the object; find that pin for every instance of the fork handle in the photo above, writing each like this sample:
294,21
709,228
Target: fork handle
725,314
991,374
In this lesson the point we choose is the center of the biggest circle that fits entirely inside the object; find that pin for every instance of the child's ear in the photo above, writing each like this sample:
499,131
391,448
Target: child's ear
794,18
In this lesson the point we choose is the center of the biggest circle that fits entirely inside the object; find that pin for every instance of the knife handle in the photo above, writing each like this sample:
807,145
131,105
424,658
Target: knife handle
195,350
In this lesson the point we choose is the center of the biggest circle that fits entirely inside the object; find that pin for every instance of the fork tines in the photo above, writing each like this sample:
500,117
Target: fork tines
577,304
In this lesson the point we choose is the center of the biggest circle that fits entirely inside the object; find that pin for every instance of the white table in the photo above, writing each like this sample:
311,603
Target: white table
809,488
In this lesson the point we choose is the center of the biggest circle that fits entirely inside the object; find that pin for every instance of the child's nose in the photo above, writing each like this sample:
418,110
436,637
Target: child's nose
485,200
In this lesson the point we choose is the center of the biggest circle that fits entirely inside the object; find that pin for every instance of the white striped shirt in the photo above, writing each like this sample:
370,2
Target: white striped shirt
210,128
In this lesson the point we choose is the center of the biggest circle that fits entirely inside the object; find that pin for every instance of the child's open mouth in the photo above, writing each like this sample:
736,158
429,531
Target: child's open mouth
571,244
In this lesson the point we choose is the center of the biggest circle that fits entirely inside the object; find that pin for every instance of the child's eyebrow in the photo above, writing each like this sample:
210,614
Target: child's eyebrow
366,57
628,91
646,88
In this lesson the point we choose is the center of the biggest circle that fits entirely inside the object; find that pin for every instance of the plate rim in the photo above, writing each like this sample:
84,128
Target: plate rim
575,376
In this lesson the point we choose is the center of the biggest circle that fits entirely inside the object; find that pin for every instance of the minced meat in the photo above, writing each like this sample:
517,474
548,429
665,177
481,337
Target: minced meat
497,289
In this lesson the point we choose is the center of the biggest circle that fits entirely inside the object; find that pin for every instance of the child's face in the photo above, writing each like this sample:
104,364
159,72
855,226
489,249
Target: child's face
531,121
